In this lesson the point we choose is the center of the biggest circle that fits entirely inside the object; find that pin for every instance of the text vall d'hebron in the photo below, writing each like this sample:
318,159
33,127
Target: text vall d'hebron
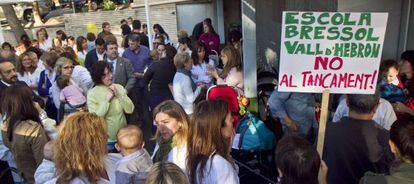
339,51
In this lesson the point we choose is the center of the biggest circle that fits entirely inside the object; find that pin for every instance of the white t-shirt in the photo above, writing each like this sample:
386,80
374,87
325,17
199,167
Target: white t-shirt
177,155
219,170
384,116
30,79
200,72
183,92
46,44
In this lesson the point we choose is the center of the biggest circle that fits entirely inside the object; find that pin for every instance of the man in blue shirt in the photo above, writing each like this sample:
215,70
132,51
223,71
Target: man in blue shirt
296,112
139,56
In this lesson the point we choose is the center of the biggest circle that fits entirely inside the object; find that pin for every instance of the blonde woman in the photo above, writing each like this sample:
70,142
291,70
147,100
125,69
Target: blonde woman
166,173
232,73
87,162
45,42
28,70
185,90
171,135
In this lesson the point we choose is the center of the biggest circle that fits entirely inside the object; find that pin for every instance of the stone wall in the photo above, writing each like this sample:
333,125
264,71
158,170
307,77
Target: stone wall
164,14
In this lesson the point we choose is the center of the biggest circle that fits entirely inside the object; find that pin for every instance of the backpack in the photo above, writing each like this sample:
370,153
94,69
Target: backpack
253,135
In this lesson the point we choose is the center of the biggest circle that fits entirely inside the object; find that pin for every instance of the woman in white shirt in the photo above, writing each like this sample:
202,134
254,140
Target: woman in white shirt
185,90
209,145
201,63
171,136
45,41
82,45
232,72
28,70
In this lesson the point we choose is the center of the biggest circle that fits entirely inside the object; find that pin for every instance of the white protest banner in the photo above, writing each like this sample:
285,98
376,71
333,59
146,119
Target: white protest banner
338,51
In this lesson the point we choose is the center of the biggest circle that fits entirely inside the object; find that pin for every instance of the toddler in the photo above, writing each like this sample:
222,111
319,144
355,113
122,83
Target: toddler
135,163
46,170
70,92
391,87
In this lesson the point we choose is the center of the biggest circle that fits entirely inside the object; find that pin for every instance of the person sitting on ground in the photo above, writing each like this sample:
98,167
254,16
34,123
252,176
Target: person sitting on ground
391,87
356,144
166,173
70,92
298,162
46,169
402,145
136,163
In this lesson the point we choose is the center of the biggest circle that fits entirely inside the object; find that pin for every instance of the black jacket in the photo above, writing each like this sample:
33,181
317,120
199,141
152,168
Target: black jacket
160,74
90,59
353,147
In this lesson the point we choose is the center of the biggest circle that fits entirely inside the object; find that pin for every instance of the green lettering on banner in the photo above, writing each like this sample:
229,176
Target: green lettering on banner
365,19
348,21
337,19
318,33
375,50
338,50
291,47
304,32
367,50
291,31
291,18
300,49
360,34
354,48
335,31
346,31
370,35
360,50
307,18
323,15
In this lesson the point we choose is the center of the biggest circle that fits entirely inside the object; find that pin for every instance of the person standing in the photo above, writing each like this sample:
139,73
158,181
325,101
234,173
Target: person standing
122,69
96,54
210,38
139,56
160,74
106,30
22,131
356,144
108,100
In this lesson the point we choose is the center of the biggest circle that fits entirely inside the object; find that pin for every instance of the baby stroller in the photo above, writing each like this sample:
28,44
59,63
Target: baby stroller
266,83
254,143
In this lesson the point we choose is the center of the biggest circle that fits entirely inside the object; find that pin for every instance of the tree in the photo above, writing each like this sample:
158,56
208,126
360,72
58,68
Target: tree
13,21
36,14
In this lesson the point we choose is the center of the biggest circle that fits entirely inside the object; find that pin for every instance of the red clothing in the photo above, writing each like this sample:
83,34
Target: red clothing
212,42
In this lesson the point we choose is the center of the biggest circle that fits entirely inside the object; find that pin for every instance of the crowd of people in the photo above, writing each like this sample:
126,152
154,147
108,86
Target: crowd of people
90,110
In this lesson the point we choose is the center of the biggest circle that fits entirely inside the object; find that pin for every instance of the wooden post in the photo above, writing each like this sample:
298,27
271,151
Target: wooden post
322,121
